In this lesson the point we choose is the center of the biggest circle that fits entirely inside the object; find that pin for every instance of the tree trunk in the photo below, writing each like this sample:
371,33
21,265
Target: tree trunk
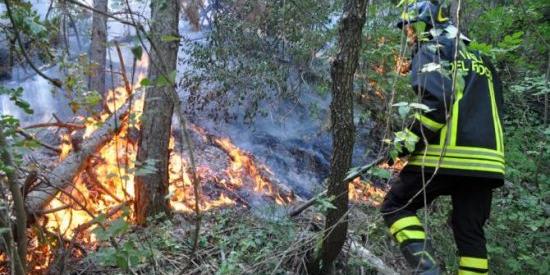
343,130
454,12
151,189
98,48
20,235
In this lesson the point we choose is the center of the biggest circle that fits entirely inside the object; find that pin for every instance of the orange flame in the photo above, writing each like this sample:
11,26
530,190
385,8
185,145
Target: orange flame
108,181
362,192
242,165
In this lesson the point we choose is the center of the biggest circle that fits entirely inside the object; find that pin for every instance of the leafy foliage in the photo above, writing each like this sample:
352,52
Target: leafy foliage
256,50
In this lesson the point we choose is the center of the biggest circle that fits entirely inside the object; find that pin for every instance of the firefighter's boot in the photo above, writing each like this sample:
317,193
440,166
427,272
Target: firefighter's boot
420,257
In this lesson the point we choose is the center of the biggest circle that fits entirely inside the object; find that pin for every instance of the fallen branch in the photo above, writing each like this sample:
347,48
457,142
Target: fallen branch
70,126
366,255
92,177
29,136
349,178
295,212
53,210
68,169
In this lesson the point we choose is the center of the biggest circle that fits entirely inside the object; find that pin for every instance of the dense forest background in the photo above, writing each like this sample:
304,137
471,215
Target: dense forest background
164,137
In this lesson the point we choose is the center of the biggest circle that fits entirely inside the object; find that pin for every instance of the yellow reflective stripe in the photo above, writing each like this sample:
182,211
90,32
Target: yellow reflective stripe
496,119
468,272
479,263
443,135
455,163
404,222
428,122
472,150
405,234
471,153
454,114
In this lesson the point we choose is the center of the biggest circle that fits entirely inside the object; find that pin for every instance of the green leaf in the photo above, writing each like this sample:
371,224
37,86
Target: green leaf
400,104
137,51
420,106
481,47
145,82
163,81
170,38
34,27
118,227
404,111
380,173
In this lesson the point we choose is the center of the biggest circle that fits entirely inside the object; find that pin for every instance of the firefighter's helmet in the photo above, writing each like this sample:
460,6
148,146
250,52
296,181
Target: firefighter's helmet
433,13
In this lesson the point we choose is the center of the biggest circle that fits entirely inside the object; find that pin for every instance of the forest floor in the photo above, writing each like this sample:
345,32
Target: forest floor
238,240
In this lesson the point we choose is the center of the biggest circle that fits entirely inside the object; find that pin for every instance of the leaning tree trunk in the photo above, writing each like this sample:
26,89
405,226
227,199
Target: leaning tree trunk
343,130
98,48
152,189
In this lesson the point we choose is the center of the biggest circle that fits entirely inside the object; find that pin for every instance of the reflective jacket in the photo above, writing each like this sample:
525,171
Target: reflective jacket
463,128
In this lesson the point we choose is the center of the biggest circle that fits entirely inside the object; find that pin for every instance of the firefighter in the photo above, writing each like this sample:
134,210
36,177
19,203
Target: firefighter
459,149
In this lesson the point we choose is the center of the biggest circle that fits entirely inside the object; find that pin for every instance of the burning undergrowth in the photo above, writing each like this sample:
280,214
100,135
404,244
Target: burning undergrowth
101,193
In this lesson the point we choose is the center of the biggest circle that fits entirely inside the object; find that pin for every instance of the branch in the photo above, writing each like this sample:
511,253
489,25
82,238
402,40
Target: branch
70,126
106,14
372,259
127,85
350,177
28,136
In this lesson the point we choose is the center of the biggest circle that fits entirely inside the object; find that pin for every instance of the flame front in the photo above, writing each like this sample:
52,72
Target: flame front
106,184
242,165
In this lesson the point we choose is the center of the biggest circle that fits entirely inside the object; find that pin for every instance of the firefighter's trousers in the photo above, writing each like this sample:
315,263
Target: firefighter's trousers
471,202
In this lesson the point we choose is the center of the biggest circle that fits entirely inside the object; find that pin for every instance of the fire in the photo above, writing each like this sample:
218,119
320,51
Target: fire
182,197
66,146
106,184
361,192
242,164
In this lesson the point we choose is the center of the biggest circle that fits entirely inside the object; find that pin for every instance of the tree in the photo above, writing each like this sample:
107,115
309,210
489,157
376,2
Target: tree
343,130
18,235
98,48
151,189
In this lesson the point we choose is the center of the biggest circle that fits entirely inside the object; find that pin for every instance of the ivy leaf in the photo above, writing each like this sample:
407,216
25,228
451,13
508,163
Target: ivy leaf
420,106
404,111
380,173
399,104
